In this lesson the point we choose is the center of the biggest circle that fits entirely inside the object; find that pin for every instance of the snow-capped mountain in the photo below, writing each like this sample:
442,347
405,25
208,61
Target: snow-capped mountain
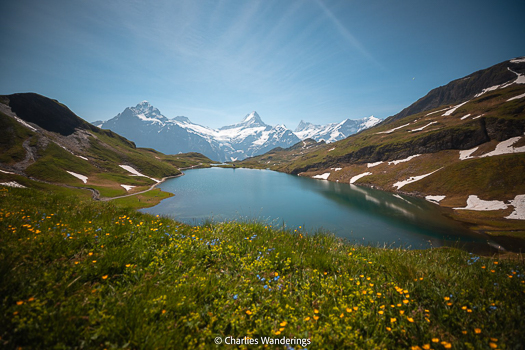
334,131
147,127
252,137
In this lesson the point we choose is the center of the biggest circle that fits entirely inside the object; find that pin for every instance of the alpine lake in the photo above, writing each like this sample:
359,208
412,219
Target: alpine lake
358,214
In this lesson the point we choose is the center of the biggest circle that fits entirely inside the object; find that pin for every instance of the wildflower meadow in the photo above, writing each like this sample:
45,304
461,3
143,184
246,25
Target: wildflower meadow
80,274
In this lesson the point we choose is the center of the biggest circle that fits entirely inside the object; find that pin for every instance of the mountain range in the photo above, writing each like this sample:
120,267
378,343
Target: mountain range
147,127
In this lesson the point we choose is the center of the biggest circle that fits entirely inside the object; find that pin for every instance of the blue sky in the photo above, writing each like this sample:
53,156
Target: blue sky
216,61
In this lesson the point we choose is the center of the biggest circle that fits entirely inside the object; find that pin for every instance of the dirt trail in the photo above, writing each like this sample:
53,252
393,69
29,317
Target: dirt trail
144,191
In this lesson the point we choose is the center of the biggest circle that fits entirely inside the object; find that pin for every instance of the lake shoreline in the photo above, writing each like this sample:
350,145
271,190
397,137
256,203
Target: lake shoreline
257,210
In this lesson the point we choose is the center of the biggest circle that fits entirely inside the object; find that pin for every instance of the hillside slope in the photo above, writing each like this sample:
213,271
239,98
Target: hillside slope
44,143
468,154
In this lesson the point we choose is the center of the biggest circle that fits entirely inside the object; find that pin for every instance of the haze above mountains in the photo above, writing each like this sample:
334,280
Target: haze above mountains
147,127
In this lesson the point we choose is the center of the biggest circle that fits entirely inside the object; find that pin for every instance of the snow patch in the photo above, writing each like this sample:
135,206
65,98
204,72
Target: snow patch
518,60
479,116
516,97
135,172
519,208
81,157
392,130
411,179
357,177
465,117
12,184
24,123
78,176
505,147
435,199
371,165
323,176
331,149
336,169
127,187
466,154
520,79
474,203
453,109
441,110
492,88
6,172
395,162
421,128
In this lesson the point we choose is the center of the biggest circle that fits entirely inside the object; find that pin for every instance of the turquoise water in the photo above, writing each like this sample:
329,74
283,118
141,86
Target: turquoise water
356,213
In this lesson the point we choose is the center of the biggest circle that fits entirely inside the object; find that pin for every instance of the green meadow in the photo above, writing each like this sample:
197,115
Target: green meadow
81,274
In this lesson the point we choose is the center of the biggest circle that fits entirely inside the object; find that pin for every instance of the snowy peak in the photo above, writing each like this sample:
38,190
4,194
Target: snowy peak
253,119
334,131
370,122
303,126
147,109
142,111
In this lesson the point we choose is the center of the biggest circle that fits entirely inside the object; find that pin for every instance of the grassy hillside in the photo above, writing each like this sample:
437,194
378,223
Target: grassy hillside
43,140
85,274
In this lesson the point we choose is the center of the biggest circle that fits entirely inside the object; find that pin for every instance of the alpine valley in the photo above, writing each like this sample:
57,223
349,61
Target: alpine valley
147,127
461,146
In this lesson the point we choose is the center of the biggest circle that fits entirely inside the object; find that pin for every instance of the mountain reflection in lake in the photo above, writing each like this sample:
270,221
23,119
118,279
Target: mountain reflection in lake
356,213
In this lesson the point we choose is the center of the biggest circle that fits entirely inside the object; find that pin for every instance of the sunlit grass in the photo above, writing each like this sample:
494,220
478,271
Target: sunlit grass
77,273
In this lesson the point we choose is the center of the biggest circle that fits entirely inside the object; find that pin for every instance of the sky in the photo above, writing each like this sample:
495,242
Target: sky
320,61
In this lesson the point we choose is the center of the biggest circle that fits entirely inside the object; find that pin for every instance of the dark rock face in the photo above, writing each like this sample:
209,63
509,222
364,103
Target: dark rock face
46,113
503,129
